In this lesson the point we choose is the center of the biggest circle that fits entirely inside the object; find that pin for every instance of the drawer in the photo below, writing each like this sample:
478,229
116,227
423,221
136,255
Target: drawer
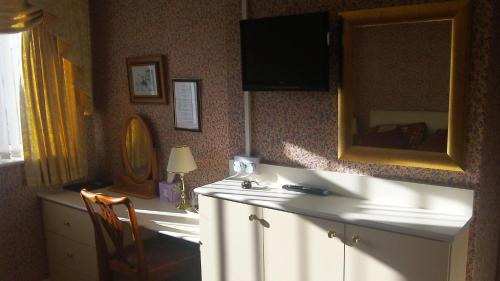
61,273
72,255
68,222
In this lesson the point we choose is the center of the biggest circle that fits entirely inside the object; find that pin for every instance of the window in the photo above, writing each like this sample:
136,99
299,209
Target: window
11,84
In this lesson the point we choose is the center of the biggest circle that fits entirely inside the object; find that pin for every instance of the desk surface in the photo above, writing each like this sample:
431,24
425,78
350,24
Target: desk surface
152,214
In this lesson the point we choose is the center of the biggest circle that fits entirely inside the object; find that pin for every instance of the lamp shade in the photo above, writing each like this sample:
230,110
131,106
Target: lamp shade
181,160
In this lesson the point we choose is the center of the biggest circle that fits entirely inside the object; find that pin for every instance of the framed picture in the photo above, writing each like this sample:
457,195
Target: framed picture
187,110
146,79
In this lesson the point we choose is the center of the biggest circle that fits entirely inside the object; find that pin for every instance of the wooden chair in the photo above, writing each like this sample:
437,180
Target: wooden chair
149,260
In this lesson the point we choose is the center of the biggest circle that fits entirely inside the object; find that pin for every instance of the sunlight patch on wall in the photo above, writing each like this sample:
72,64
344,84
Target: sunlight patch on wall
304,157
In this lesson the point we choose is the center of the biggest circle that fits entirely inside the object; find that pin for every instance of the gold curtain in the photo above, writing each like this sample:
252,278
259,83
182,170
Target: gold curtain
54,136
68,20
18,15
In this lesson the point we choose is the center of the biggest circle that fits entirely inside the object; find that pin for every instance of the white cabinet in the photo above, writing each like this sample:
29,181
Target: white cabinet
247,243
231,244
298,248
282,246
382,255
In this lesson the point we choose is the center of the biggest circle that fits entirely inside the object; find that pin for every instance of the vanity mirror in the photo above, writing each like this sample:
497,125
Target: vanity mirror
404,85
140,176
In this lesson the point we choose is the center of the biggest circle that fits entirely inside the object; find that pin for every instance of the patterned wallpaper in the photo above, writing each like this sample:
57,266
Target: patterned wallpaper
201,40
192,36
22,243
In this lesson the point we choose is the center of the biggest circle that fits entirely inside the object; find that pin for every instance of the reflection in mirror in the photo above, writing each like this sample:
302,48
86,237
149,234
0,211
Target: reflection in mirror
138,148
401,85
405,71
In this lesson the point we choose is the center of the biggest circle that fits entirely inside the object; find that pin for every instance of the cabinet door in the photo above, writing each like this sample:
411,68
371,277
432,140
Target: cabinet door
298,248
231,244
381,255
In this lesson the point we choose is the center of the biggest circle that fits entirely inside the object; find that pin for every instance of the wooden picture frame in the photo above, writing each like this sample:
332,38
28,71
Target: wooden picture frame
146,79
187,104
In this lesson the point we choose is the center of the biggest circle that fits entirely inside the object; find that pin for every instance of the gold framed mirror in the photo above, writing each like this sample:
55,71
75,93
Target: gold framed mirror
140,176
404,82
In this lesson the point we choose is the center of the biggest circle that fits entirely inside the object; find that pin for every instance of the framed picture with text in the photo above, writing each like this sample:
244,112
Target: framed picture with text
187,109
146,79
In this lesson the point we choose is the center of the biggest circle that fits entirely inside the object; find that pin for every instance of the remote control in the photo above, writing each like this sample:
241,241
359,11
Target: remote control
306,189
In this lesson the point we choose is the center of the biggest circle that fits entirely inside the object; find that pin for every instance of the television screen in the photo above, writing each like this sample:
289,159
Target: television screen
285,53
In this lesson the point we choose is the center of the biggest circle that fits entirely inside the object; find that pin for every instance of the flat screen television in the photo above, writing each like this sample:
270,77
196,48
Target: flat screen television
285,53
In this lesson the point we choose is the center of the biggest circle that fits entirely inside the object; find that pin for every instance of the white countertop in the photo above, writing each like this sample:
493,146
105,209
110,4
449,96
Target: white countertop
152,214
424,223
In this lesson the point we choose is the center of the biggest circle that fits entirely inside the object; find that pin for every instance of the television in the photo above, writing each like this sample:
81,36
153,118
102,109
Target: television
285,53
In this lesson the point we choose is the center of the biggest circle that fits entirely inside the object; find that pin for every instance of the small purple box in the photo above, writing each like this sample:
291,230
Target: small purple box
169,192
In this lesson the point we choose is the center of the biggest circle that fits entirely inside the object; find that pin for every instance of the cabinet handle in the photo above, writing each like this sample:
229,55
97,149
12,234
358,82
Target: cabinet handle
67,224
332,234
356,239
70,256
262,222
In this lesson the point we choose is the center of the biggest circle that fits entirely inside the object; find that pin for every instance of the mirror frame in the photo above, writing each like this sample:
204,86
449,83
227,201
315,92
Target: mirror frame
128,168
459,12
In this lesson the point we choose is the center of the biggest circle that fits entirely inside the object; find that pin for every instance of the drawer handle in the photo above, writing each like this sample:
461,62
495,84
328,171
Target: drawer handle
332,234
68,224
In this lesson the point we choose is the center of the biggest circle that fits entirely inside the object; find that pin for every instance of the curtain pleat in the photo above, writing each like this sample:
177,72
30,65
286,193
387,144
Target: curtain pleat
54,138
18,15
68,20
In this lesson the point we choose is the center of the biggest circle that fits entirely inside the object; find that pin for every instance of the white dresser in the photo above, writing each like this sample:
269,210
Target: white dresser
276,235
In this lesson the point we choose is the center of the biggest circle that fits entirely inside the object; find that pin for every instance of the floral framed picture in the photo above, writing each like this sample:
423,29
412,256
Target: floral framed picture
146,78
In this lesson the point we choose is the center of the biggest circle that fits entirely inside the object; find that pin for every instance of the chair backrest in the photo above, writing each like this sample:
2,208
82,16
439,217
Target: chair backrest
107,219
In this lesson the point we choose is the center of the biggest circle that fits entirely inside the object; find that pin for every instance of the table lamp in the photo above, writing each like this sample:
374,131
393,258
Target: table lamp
181,161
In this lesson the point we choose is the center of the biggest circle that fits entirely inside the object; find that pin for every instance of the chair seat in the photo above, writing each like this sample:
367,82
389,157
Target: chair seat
164,257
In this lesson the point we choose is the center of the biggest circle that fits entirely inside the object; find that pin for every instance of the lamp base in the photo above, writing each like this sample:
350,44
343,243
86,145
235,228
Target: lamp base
186,207
184,204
